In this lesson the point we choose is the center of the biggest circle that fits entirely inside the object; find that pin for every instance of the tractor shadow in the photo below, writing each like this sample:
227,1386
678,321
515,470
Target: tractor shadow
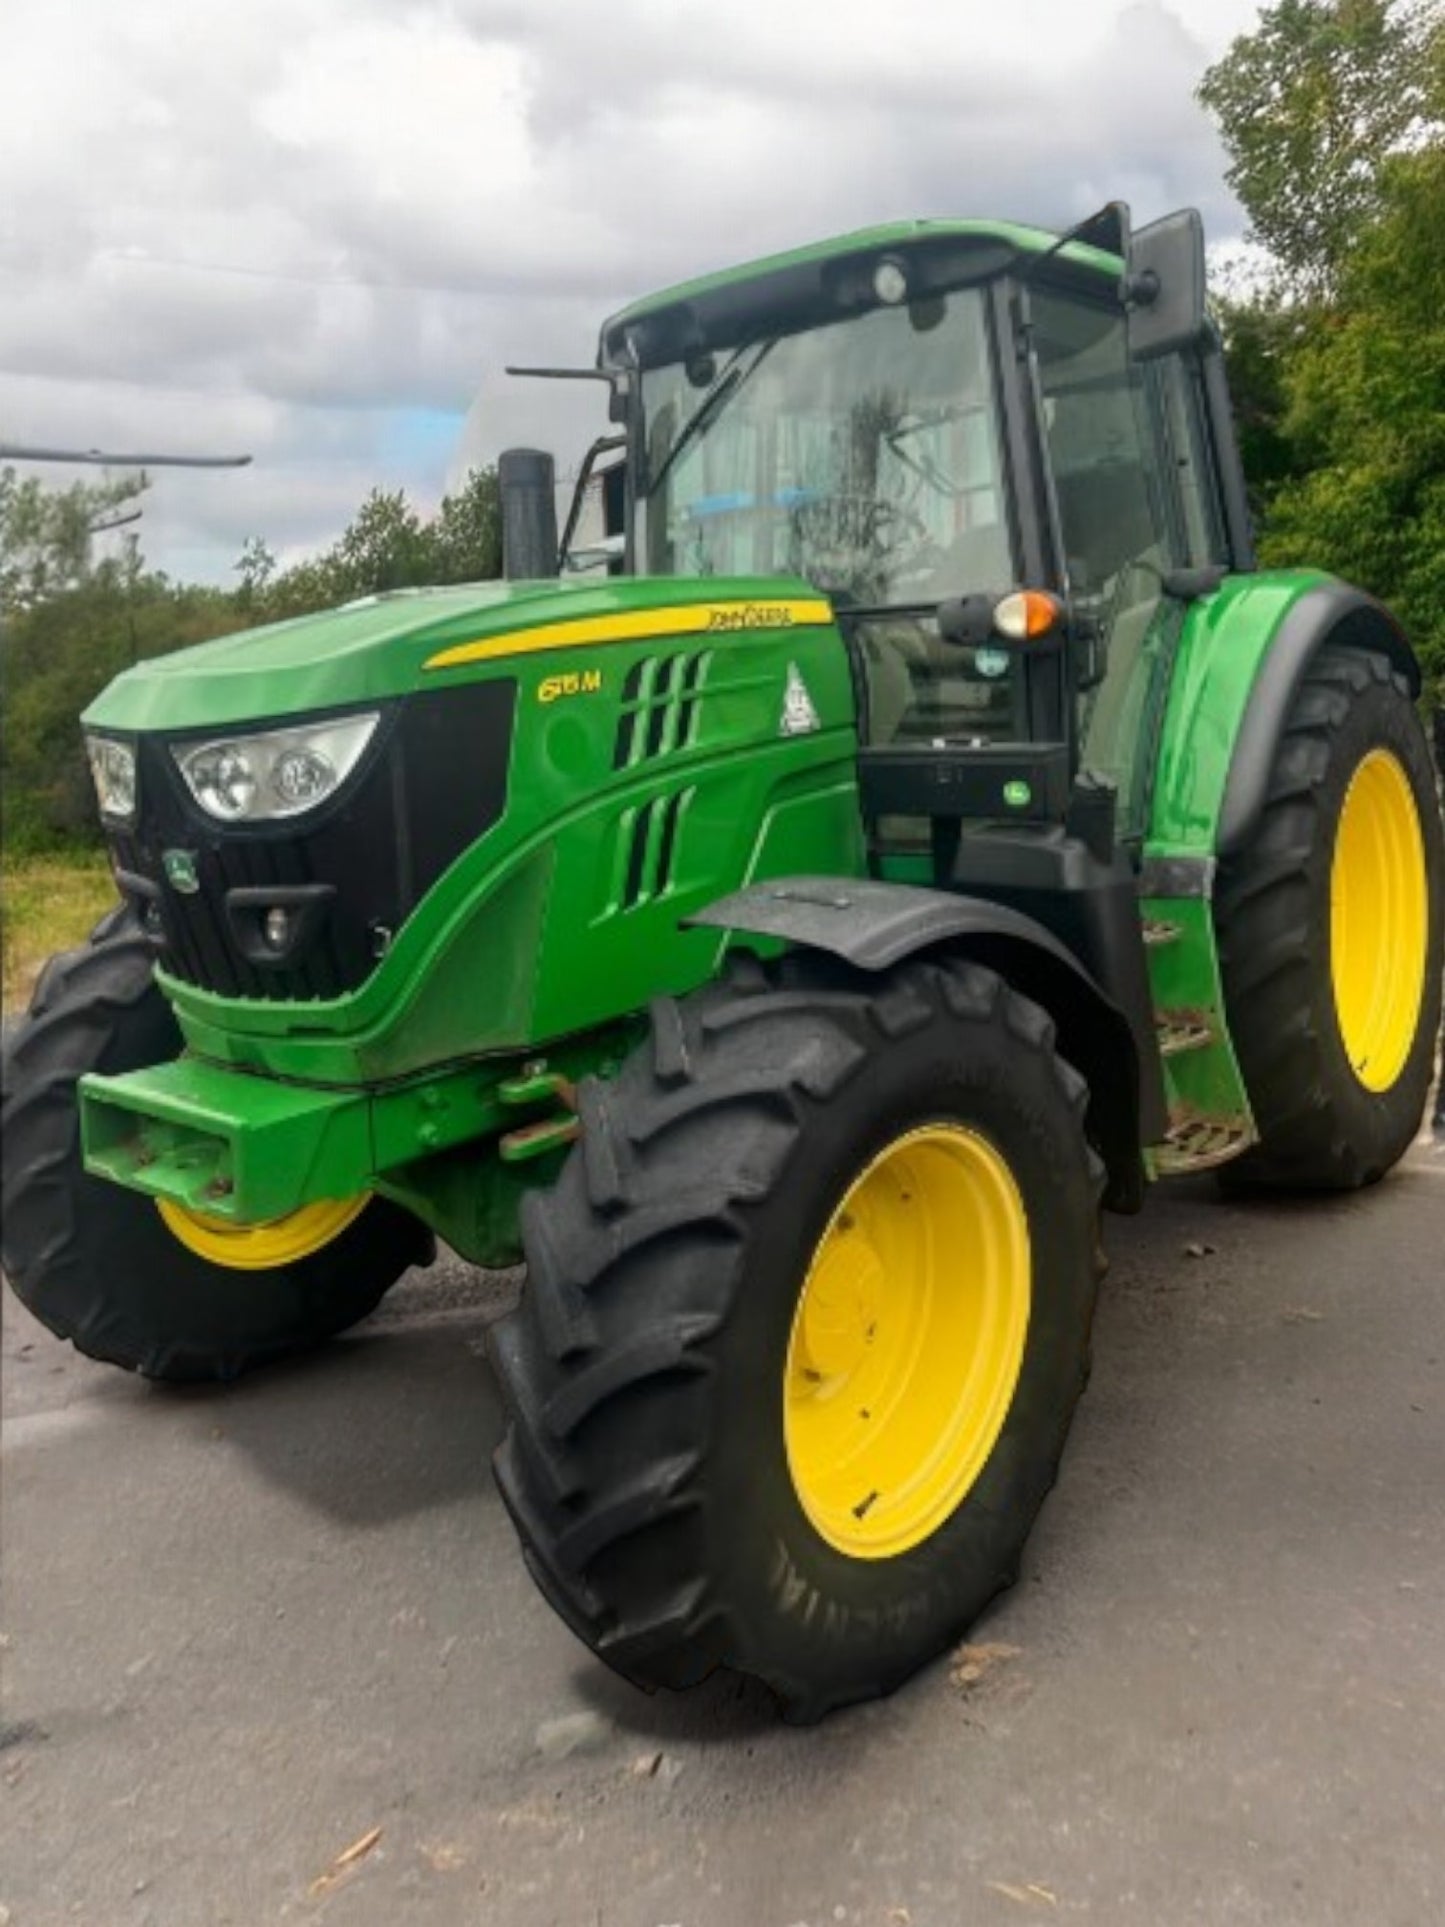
391,1421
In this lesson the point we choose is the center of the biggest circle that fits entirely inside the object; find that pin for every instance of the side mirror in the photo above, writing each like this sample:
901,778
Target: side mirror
1164,285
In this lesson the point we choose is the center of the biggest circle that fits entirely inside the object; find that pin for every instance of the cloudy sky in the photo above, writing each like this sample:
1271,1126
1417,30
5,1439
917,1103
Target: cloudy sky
314,230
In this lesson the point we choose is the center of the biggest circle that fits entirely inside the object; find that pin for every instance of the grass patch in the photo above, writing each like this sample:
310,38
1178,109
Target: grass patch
47,903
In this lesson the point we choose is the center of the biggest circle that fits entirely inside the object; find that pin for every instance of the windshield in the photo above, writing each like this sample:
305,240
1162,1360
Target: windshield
863,455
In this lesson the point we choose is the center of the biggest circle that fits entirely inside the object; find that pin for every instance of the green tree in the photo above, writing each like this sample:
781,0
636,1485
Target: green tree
72,621
255,565
1311,105
47,536
1366,414
1333,113
467,532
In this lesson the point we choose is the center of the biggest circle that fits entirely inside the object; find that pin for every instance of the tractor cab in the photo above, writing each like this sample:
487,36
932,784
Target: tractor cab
922,421
1007,460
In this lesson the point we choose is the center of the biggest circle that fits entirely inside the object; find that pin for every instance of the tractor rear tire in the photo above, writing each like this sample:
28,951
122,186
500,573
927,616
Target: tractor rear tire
94,1261
1330,935
764,1411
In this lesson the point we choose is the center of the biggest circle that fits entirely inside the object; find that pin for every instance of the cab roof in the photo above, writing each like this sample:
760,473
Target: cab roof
830,274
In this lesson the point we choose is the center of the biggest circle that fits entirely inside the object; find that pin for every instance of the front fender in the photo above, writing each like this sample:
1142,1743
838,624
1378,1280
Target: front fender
874,925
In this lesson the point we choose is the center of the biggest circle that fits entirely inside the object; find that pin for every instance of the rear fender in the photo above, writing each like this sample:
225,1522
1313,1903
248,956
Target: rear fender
1332,613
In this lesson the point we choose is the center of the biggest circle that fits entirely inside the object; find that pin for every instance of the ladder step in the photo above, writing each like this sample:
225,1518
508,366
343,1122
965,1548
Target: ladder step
1198,1143
1182,1030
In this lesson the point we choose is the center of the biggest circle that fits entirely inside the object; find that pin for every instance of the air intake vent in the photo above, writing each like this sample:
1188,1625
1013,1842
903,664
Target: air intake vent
660,701
650,840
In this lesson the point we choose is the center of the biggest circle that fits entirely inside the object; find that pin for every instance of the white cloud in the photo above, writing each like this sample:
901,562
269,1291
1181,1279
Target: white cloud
284,225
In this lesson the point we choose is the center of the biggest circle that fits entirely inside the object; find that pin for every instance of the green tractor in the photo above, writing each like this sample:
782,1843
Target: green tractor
908,824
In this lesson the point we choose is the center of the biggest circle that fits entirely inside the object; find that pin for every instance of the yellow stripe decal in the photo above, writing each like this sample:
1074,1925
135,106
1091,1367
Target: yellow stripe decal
685,619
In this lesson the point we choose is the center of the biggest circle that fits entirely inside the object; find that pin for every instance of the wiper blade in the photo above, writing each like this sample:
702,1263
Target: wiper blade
709,408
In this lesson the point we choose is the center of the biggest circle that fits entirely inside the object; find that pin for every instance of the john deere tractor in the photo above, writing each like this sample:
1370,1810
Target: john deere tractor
906,824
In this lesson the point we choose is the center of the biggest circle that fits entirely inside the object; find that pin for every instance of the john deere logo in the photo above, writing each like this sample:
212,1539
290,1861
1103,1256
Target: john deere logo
180,869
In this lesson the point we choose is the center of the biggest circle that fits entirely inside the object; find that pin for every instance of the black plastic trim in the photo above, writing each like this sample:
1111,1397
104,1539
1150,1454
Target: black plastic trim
1331,613
965,780
1228,468
866,922
246,909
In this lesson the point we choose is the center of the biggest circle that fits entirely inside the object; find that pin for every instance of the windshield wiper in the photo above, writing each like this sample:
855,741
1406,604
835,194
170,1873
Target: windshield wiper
709,408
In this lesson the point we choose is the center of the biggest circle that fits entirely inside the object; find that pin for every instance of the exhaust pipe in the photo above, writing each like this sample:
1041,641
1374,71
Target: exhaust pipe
527,483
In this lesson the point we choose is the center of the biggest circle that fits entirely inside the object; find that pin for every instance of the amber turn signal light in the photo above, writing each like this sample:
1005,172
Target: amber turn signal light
1027,613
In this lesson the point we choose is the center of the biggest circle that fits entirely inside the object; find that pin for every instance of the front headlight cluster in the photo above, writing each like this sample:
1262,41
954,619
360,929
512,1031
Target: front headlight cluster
282,772
112,768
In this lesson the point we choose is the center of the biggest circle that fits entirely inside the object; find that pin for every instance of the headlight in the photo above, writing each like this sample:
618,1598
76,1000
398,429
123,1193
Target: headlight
112,766
249,779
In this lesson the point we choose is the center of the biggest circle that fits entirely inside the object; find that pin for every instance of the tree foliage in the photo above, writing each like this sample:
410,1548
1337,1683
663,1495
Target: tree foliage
1312,105
1333,113
71,620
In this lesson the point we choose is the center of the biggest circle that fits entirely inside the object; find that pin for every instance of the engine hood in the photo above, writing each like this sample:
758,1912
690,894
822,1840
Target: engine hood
382,646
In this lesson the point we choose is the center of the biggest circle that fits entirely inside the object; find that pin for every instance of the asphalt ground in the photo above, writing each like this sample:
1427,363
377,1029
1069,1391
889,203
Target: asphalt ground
245,1628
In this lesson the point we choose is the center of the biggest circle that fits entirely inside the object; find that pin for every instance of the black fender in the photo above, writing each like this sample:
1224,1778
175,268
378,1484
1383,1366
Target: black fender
1333,612
873,925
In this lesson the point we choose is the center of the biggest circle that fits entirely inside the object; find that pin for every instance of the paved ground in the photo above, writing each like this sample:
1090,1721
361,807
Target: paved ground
245,1628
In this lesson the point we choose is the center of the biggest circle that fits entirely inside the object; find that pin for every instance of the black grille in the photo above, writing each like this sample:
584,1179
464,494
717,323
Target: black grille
432,780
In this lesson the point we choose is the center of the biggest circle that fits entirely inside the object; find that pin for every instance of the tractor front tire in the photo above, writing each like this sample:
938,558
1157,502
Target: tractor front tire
96,1262
807,1317
1330,935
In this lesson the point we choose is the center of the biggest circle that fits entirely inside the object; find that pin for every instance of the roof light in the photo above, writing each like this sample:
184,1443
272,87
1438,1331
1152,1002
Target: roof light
890,281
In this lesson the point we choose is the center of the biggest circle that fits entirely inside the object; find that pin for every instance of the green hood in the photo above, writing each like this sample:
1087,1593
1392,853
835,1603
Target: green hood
365,650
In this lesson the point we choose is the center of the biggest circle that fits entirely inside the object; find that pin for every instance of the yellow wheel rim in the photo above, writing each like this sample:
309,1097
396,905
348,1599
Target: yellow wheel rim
907,1341
1379,915
262,1247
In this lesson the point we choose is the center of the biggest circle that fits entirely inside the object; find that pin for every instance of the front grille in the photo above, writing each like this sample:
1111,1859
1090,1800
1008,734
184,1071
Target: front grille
430,783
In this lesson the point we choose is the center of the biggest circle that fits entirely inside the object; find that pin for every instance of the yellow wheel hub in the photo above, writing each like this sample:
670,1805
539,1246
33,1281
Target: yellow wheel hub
907,1341
262,1247
1379,917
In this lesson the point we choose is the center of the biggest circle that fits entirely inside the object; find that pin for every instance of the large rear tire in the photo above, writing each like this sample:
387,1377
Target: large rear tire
96,1262
806,1320
1330,934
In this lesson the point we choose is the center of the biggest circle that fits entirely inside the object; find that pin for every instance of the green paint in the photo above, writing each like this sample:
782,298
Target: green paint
1221,648
245,1148
534,932
1225,639
372,650
1184,977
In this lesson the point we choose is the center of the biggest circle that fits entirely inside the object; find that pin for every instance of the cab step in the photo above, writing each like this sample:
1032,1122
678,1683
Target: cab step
1182,1030
1199,1143
1158,932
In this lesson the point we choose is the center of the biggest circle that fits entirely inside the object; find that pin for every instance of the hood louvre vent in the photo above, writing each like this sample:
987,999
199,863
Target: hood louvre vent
650,834
661,698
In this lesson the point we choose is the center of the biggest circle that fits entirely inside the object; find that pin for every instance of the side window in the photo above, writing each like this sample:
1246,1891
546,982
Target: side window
1102,444
1181,407
1120,520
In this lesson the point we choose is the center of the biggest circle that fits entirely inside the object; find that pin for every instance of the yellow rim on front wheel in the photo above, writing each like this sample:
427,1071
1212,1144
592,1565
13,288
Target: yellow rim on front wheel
262,1247
1379,918
907,1341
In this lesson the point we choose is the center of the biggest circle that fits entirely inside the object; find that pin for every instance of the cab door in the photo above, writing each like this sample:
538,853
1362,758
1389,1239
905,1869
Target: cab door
1135,499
